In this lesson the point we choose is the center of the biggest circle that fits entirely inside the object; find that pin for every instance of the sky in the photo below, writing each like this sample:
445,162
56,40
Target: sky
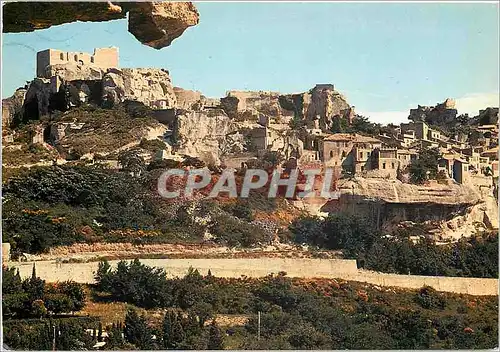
384,57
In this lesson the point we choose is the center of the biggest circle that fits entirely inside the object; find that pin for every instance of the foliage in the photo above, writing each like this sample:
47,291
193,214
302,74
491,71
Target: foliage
136,331
38,334
131,161
215,337
323,314
425,167
241,209
173,332
338,231
471,257
135,283
32,297
152,145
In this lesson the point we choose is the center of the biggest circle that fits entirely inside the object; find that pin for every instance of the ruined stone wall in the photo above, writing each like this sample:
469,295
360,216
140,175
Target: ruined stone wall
102,58
259,267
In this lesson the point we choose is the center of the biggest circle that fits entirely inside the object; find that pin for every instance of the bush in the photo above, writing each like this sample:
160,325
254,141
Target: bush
134,283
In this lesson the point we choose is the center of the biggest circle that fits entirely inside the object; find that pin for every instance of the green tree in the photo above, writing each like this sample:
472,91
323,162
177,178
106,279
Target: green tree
425,167
173,332
115,339
215,337
136,330
11,281
132,161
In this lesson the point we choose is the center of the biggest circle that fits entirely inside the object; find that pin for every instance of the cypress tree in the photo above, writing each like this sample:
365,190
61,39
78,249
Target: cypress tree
173,332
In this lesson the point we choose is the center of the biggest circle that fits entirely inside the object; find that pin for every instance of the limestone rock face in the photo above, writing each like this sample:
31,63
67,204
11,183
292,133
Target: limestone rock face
69,72
150,86
394,191
327,104
439,115
249,105
72,86
11,106
156,24
204,134
153,23
193,100
319,107
388,203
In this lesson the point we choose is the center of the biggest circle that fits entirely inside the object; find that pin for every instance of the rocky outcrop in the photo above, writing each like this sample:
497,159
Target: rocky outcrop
11,106
325,104
72,86
445,210
394,191
157,24
73,72
154,24
250,105
440,115
319,107
205,134
488,116
194,100
150,86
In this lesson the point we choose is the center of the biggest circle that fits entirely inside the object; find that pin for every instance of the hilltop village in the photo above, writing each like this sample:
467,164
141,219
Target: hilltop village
310,127
47,123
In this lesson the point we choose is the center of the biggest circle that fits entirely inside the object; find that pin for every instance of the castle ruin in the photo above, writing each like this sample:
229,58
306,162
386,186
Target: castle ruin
103,58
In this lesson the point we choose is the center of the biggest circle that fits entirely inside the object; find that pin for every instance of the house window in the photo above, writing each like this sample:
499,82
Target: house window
361,155
362,168
343,155
393,166
92,59
76,57
331,153
383,165
62,56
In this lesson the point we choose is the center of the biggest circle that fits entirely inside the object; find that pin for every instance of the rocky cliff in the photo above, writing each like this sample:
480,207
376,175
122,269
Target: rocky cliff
248,105
440,115
154,24
319,107
73,85
12,105
150,86
445,210
206,134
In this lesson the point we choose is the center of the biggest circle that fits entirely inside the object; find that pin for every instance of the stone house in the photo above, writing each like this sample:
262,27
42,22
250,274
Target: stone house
386,161
405,157
455,166
420,130
348,152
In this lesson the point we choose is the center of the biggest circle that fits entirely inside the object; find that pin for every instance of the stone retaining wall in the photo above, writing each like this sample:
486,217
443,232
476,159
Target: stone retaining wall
307,268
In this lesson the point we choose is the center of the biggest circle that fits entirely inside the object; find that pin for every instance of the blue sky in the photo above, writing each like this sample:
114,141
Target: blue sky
384,57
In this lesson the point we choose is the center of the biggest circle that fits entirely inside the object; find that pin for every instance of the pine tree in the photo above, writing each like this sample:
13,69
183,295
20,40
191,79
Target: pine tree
173,332
115,338
215,337
137,331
